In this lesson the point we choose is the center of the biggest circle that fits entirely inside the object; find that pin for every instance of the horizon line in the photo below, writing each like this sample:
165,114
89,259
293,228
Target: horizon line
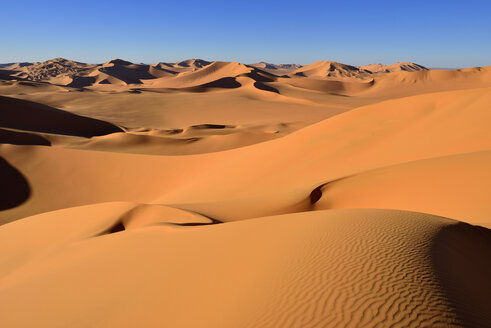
265,62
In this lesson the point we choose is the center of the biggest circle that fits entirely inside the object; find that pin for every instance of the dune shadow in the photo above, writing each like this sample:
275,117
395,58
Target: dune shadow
193,224
223,83
126,74
261,76
461,255
187,224
265,87
22,138
5,75
14,188
212,126
117,227
81,81
316,194
27,115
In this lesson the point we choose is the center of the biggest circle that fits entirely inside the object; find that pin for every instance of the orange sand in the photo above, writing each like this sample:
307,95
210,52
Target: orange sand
217,194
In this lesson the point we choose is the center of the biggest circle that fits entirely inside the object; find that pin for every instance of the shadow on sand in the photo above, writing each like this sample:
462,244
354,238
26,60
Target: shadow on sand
14,188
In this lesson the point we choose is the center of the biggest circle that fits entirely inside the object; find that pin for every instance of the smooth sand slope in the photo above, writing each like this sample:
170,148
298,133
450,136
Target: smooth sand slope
346,268
438,185
246,182
217,194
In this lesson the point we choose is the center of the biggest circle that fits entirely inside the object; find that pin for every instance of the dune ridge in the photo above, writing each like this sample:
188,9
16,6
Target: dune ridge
380,68
358,273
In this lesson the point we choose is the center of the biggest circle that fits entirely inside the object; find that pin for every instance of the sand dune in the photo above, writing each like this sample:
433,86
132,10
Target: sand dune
329,86
184,66
13,137
281,69
353,142
218,194
414,83
207,74
26,115
357,141
196,139
181,74
320,269
380,68
125,71
438,185
196,75
51,68
328,69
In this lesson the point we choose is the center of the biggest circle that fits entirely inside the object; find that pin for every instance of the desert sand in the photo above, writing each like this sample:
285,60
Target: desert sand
221,194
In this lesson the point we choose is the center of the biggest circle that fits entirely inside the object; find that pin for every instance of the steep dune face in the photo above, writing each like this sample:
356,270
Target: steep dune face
345,268
8,136
26,115
15,189
125,71
328,69
206,74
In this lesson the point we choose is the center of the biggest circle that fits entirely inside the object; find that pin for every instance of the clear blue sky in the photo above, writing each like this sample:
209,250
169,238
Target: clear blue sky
434,33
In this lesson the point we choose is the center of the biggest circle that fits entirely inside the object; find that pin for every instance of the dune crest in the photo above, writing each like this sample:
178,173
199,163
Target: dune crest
340,268
380,68
328,69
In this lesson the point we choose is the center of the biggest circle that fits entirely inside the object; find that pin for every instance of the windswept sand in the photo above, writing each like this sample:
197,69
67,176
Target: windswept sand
219,194
346,268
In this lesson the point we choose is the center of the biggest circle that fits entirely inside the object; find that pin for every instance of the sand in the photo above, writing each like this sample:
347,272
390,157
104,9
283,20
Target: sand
219,194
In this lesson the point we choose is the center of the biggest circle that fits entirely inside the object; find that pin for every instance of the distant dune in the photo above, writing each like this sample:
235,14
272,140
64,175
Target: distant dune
328,69
219,194
277,69
119,72
379,68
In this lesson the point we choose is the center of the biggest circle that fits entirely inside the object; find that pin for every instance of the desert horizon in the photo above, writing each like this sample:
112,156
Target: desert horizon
331,170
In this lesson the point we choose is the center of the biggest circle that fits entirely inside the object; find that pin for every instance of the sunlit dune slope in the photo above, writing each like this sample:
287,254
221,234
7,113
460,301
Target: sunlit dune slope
456,186
327,69
347,268
247,182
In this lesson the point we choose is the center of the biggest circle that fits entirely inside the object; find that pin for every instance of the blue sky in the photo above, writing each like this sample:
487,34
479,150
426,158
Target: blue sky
434,33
